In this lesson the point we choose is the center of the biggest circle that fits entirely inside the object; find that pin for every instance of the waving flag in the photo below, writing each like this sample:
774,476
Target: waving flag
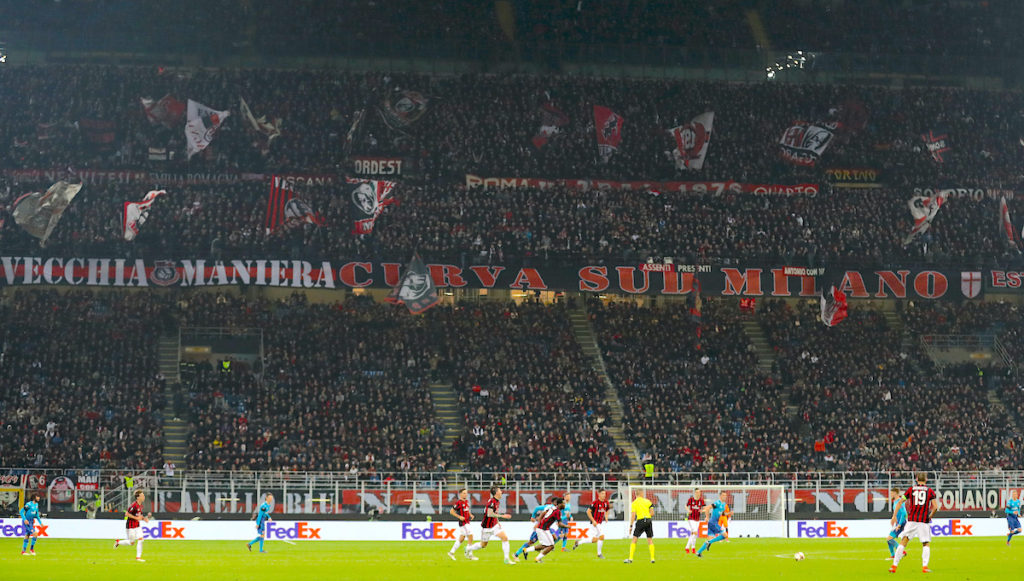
608,125
203,123
804,143
924,209
1004,220
403,108
136,213
416,290
38,213
692,141
168,111
283,207
551,123
369,197
260,125
833,306
937,143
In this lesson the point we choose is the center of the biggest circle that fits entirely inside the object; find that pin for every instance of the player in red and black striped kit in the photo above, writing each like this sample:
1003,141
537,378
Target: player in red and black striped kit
921,503
133,526
695,506
598,514
460,510
491,527
542,528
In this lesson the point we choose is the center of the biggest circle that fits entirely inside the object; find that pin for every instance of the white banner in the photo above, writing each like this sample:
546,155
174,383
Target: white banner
879,528
203,123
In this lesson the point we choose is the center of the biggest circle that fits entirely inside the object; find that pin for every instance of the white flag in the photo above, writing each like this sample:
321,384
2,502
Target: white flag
203,123
924,209
135,214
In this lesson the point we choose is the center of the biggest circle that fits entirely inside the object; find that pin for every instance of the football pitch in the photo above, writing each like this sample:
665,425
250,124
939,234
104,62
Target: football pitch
79,560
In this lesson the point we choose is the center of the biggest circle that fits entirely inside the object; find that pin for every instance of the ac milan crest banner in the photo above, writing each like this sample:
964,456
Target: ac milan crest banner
804,143
403,108
551,123
833,306
136,213
416,290
1007,225
692,141
203,123
608,125
369,198
924,209
937,143
38,213
284,208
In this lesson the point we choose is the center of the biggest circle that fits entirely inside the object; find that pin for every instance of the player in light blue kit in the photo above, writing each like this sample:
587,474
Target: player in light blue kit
715,532
533,518
29,516
563,522
899,519
262,516
1012,516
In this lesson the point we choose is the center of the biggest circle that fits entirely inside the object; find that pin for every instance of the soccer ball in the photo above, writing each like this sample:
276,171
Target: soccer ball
799,556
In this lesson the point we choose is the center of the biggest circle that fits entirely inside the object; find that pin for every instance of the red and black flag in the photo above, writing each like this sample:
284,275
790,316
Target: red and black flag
937,143
416,290
833,306
608,125
369,197
283,207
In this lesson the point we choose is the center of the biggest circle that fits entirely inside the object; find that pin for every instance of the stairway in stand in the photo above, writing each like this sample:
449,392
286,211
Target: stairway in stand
587,340
175,428
446,408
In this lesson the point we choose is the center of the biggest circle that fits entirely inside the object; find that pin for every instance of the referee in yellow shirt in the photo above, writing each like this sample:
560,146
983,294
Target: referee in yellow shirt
640,522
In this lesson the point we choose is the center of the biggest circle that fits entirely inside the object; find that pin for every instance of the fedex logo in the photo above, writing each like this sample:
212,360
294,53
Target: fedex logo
955,528
677,530
163,530
18,530
577,533
828,530
299,530
434,531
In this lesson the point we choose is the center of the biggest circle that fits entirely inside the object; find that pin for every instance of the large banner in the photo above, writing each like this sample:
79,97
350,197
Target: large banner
663,279
804,143
103,177
720,187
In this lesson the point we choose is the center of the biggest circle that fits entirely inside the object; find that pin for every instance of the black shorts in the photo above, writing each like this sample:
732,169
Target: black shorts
644,526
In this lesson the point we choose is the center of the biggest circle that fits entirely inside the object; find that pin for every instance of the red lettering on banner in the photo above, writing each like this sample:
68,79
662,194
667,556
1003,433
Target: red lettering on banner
488,275
594,279
446,275
347,274
391,273
896,282
626,281
531,278
853,285
672,283
930,284
736,283
780,283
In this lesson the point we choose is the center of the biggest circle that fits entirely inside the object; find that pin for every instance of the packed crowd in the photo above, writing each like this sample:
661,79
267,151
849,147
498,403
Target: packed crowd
867,400
693,397
532,402
79,384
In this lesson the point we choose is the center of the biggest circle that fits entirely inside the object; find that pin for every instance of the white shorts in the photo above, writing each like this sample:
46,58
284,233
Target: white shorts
486,534
694,526
134,534
596,530
921,530
544,537
463,531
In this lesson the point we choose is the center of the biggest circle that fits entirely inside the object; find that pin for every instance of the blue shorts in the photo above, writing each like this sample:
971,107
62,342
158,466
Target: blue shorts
1012,521
260,526
28,527
894,533
714,530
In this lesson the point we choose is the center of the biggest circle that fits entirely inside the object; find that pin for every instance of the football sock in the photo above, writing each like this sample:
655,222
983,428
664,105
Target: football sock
691,541
455,545
138,550
474,547
505,547
1008,537
33,547
565,538
650,549
261,543
24,545
522,549
926,553
528,549
704,547
632,550
892,547
900,552
600,544
254,541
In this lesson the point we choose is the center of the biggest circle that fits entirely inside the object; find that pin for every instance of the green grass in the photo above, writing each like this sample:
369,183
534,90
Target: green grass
75,560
